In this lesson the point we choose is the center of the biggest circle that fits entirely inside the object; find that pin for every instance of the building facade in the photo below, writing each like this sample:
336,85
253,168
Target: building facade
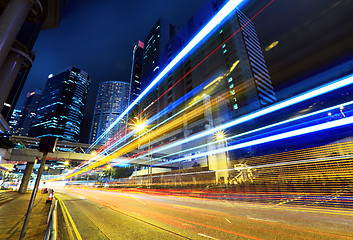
224,78
60,111
157,54
136,71
135,79
14,120
28,112
112,100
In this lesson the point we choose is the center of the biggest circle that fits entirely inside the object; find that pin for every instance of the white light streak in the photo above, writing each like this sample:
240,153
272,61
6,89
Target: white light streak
294,133
210,26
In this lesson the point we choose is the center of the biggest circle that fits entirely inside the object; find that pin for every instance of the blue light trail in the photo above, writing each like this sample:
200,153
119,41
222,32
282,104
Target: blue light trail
342,82
294,133
205,32
255,130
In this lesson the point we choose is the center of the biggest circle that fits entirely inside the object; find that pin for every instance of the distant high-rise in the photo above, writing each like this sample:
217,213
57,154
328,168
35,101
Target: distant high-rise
14,120
135,79
112,100
136,71
157,54
60,111
28,112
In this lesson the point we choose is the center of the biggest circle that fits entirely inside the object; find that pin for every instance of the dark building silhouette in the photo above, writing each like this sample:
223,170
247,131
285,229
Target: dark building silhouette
60,111
28,112
157,54
136,71
135,79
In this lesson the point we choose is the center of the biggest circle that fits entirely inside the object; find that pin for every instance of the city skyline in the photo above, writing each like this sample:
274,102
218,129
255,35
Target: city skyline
233,120
36,77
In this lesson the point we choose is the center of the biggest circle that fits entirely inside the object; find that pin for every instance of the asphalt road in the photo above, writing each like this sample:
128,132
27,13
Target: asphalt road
132,215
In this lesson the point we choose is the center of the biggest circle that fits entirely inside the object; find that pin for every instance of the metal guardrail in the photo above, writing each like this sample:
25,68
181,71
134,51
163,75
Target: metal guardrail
51,232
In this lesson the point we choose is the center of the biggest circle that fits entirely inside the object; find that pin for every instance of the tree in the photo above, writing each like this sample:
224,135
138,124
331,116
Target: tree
122,172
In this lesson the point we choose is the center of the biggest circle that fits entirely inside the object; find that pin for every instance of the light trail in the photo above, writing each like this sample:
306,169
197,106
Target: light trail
205,32
188,139
255,130
201,62
232,68
298,132
340,83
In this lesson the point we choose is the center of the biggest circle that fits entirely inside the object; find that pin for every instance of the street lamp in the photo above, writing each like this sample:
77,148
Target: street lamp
110,171
220,136
140,126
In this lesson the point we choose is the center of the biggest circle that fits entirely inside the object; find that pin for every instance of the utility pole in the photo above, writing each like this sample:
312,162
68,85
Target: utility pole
47,144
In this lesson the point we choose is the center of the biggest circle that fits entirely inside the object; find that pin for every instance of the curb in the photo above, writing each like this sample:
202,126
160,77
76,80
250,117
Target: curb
4,199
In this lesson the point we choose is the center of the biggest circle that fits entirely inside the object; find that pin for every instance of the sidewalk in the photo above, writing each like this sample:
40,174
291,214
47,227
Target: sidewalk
12,215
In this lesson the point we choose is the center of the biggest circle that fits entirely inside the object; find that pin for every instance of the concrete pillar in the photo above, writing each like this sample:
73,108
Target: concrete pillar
11,21
26,177
8,74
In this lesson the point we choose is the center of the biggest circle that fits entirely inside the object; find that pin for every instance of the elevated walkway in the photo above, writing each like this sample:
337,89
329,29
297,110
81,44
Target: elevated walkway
26,150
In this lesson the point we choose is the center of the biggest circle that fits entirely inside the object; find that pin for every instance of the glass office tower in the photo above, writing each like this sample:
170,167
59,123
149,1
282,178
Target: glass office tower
112,100
60,111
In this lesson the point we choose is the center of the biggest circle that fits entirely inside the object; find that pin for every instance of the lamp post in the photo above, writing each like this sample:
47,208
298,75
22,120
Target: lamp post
140,126
109,171
221,136
46,145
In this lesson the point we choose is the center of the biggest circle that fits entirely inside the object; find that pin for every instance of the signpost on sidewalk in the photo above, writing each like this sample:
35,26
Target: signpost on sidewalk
46,145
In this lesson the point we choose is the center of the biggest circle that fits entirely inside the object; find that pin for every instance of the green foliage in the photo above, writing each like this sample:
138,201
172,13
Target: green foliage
122,172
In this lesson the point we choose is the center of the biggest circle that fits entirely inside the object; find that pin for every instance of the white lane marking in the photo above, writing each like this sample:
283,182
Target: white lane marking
259,219
203,235
228,220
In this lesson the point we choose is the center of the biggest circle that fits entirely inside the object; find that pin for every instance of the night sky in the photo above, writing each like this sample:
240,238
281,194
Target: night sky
99,38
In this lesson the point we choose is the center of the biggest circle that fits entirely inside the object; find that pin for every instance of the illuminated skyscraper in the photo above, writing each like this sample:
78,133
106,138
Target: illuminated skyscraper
136,71
135,80
60,110
14,120
28,112
157,54
224,78
112,100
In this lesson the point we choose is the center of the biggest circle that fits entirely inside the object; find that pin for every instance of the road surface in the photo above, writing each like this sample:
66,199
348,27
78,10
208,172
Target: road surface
135,215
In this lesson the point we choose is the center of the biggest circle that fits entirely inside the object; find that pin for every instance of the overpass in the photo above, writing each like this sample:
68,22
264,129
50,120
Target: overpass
25,150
